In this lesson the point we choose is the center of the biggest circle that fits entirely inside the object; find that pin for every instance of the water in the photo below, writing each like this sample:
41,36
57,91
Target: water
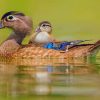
46,79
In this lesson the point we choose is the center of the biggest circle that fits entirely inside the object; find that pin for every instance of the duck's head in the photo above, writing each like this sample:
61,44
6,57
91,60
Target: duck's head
44,26
17,21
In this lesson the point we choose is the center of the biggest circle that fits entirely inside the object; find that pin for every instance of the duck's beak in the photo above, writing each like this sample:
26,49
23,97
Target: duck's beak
1,25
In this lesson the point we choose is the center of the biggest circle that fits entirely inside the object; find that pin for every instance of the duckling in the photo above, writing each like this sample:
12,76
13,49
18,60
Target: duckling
21,26
42,33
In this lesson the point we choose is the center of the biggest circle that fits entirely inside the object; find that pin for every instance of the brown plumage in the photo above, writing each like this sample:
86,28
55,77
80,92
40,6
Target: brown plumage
39,52
21,26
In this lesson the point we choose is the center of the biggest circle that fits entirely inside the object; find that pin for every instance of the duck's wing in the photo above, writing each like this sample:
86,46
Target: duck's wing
32,38
95,48
40,52
87,49
62,45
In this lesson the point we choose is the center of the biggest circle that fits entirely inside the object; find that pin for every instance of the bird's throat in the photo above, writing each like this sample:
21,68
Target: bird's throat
42,37
16,37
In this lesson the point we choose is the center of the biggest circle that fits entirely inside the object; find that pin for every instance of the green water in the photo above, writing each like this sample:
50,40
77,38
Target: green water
46,79
54,79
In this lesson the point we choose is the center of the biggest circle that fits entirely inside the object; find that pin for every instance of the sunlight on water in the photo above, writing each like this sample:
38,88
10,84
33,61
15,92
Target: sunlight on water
49,78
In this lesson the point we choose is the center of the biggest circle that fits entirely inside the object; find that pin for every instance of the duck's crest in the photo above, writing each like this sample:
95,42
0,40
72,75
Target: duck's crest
12,13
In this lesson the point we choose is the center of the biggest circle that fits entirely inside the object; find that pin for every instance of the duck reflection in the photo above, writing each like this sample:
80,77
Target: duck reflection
46,76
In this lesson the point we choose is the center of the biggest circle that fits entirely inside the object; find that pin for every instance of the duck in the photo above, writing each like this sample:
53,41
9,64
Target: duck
22,25
42,34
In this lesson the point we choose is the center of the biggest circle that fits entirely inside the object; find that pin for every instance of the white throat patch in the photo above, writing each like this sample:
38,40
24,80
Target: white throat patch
42,37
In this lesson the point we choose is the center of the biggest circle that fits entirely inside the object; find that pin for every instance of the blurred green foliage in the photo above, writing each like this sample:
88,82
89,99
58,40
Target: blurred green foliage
71,19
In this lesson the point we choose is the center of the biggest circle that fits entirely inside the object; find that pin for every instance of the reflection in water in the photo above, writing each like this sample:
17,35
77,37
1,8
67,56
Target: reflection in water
49,77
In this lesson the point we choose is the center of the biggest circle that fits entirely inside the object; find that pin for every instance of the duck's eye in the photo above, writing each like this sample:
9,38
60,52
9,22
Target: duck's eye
10,18
43,25
46,25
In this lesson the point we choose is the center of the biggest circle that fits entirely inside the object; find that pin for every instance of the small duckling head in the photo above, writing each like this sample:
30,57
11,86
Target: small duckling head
44,26
17,21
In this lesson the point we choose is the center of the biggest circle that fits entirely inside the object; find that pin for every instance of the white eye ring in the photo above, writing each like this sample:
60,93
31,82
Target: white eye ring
11,18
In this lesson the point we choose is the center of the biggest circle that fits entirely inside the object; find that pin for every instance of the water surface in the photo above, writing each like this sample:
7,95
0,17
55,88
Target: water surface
46,79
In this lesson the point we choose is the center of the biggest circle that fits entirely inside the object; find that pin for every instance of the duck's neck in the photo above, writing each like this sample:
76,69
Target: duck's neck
18,37
11,44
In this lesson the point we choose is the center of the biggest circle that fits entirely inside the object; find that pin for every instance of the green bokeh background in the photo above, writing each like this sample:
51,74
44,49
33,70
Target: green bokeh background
71,19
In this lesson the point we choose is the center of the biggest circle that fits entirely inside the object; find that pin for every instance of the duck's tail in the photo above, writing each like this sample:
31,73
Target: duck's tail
95,48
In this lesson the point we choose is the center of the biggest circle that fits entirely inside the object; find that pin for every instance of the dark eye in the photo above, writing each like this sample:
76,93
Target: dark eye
10,17
46,25
43,25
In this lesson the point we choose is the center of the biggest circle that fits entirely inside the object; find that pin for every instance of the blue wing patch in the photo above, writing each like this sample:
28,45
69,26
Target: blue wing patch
62,45
58,46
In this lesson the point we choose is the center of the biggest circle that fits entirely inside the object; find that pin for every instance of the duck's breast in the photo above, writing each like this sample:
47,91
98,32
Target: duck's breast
43,37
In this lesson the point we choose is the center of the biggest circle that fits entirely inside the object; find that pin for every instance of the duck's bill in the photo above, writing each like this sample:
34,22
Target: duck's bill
1,25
